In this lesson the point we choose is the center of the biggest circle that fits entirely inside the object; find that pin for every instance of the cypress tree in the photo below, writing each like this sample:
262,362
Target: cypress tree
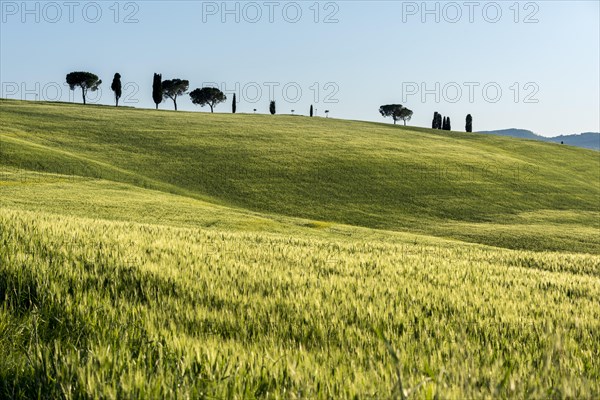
448,126
434,121
157,93
469,125
233,105
116,87
311,110
272,107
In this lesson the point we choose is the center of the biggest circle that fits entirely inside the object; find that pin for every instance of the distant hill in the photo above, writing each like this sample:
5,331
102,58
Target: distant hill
587,140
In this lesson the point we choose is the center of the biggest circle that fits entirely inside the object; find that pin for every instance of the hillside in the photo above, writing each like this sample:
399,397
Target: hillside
471,187
149,254
587,140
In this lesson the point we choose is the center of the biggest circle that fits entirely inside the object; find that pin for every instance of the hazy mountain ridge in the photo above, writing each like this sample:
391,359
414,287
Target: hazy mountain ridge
586,140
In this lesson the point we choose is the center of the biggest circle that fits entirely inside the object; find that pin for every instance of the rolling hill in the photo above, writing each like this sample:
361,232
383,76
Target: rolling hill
158,254
471,187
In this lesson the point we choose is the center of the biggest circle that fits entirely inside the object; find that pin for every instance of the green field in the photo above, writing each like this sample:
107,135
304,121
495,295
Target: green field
148,254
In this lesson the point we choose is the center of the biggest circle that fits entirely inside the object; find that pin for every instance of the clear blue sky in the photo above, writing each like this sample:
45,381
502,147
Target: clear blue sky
543,56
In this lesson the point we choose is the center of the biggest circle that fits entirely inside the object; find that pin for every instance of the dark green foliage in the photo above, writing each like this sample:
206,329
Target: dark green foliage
157,94
405,114
272,107
396,111
172,88
116,87
85,80
311,110
233,104
448,125
438,121
208,96
469,124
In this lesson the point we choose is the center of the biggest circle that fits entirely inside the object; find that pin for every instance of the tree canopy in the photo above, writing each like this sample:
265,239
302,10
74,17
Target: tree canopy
405,114
469,123
207,96
172,88
85,80
396,111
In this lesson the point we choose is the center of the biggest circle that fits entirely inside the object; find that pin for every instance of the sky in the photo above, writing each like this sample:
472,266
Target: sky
530,65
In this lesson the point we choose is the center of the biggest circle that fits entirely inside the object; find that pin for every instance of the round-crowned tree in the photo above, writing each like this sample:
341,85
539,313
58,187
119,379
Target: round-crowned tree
207,96
85,80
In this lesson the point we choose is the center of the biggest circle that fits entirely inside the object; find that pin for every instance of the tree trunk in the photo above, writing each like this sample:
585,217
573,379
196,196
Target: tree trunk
211,108
404,123
157,106
175,102
83,94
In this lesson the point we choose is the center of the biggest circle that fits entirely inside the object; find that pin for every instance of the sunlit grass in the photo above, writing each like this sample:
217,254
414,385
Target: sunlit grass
154,254
476,188
107,309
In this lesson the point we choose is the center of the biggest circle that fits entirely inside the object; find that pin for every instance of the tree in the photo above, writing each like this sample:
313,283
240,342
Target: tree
446,124
233,105
434,120
438,124
326,113
85,80
171,88
272,107
208,96
311,110
157,93
116,87
469,125
394,111
405,115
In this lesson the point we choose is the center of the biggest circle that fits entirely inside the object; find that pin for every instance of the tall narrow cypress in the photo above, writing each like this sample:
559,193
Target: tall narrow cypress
116,87
311,110
157,93
469,124
233,104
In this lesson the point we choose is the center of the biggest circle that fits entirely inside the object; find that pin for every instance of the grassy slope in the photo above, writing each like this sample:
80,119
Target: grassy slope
479,188
205,288
97,309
